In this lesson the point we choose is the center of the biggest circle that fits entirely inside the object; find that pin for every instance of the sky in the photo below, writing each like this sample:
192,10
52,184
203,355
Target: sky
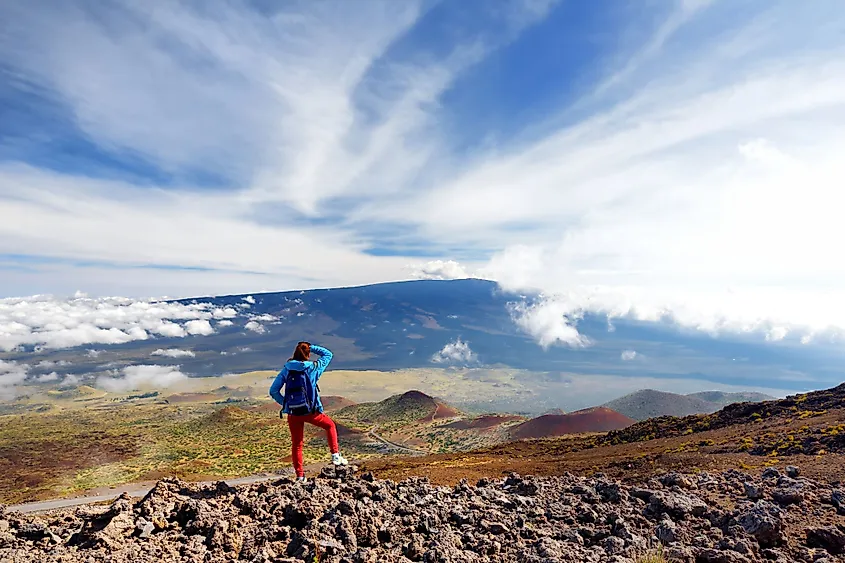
653,159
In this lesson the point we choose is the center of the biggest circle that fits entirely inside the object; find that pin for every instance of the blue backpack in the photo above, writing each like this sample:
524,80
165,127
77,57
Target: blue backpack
300,394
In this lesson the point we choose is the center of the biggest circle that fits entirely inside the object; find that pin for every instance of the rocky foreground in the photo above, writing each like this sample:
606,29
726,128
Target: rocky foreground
340,517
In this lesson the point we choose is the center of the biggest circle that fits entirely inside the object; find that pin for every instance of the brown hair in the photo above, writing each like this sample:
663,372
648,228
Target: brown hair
302,352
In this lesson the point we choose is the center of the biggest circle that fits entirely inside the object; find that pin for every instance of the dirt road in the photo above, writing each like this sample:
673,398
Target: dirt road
141,489
394,445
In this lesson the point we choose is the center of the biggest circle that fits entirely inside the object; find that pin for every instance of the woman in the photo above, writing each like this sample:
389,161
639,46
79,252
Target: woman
301,401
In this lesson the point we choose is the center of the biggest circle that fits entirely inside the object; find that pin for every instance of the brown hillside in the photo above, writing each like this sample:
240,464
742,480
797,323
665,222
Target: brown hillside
483,422
334,403
445,411
597,419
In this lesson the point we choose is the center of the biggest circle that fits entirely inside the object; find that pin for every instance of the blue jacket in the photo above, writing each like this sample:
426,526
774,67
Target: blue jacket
311,368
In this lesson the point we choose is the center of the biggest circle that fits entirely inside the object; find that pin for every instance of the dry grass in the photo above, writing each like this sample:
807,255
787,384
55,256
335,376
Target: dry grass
652,556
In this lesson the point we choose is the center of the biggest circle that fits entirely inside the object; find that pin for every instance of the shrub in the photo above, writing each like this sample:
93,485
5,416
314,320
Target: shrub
652,556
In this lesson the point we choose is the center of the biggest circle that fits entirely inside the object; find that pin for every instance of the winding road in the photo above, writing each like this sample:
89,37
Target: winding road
393,445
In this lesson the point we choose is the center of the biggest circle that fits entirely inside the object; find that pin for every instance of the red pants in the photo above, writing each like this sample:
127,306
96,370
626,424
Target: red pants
297,427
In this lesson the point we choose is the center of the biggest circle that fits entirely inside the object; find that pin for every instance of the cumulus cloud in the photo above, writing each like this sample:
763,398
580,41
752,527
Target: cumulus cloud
225,323
628,355
255,327
440,270
11,375
49,322
70,380
173,353
199,326
265,318
456,352
141,377
52,376
249,299
224,313
549,321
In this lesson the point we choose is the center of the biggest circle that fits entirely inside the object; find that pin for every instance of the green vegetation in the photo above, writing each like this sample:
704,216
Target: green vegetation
399,410
48,454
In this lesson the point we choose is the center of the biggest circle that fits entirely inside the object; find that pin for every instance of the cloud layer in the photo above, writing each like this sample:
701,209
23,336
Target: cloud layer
141,377
48,322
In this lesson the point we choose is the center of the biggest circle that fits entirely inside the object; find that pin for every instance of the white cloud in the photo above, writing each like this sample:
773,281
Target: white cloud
265,318
47,364
255,327
549,321
440,270
456,352
224,313
141,377
70,380
11,375
199,326
173,353
628,355
50,322
225,323
249,299
52,376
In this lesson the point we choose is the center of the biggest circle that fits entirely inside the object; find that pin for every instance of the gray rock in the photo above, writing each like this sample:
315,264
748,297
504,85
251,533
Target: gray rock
572,536
792,471
770,473
614,545
764,521
837,499
830,538
667,532
753,491
785,496
676,505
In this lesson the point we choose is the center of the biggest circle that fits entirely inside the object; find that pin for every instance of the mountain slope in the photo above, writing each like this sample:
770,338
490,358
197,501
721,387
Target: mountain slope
596,419
723,399
650,403
406,324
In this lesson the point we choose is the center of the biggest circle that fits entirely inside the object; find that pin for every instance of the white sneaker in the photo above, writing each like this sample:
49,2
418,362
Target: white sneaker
301,479
338,459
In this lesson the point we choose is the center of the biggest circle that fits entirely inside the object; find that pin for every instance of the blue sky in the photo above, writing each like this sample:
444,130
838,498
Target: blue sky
637,158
